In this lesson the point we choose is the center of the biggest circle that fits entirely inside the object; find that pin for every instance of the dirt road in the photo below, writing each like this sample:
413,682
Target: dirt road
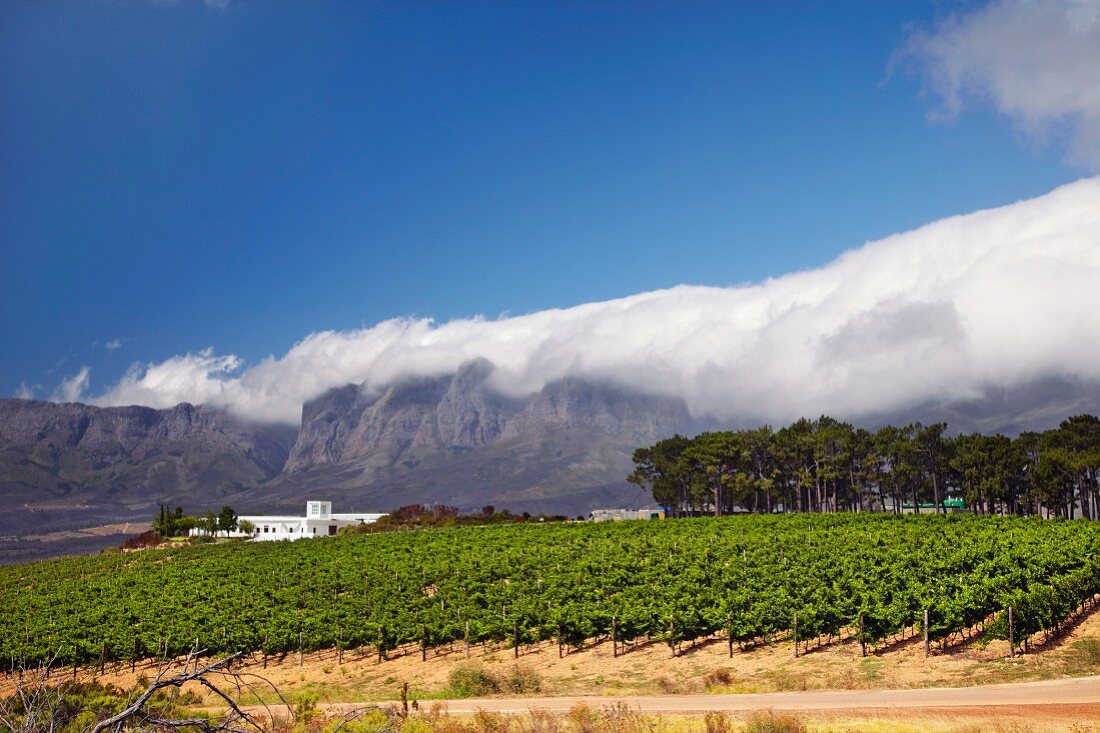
1082,694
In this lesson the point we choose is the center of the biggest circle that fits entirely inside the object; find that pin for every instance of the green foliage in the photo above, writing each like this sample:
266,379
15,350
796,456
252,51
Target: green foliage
227,520
824,465
169,523
437,516
679,580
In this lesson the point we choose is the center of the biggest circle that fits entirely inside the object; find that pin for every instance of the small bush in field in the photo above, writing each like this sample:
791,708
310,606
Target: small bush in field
717,722
472,680
521,679
720,677
769,721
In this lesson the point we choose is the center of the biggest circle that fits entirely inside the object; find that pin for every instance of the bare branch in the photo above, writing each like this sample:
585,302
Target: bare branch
198,675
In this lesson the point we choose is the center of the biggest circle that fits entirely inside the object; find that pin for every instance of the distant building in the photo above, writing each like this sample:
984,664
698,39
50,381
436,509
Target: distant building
319,521
608,515
951,505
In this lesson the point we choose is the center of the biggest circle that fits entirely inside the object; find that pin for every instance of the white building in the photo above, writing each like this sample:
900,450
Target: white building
608,515
319,521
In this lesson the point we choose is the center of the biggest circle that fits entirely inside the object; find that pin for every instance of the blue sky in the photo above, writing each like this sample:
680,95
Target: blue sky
175,176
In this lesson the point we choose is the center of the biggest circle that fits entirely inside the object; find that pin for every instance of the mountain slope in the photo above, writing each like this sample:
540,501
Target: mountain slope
73,465
454,440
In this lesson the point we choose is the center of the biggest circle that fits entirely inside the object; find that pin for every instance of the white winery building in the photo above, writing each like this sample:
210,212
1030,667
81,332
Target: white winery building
319,521
610,515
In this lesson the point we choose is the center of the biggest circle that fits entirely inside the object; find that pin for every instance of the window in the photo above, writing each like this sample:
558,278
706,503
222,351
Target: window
331,530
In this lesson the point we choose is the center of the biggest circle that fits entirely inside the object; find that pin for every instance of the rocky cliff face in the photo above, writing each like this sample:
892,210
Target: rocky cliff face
454,440
455,412
126,459
573,404
461,412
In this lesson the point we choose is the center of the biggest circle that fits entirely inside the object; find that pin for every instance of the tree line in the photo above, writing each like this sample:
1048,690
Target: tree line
437,516
168,523
826,465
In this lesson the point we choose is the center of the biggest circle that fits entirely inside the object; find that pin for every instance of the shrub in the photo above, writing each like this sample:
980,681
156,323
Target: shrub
717,722
769,721
471,680
521,679
720,677
583,719
486,722
621,718
540,721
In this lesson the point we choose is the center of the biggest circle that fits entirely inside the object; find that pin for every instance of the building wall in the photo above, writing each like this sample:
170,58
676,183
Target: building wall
606,515
318,522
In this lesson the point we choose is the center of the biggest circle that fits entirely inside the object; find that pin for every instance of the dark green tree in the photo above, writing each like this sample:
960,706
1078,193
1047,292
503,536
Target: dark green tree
227,520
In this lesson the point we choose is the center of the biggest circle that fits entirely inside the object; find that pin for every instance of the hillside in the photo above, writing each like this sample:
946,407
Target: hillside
66,466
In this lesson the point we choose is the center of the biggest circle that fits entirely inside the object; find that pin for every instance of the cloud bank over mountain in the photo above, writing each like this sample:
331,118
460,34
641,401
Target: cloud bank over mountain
997,298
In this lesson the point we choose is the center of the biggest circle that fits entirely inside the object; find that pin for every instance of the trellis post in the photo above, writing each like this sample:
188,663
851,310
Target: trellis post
1011,635
926,632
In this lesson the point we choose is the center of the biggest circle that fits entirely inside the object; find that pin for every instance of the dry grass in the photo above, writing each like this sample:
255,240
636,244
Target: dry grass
621,719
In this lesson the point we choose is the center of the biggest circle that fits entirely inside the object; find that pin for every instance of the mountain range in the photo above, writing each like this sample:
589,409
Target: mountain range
450,439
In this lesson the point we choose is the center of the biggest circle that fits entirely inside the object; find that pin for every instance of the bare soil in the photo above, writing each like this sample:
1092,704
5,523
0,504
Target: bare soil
103,530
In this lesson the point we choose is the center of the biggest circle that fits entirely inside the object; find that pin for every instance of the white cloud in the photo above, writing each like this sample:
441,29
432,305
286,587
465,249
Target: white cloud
25,391
998,297
1036,61
72,389
113,345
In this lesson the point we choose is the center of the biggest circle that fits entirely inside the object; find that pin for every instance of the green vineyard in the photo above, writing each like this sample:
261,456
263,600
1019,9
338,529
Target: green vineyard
673,581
